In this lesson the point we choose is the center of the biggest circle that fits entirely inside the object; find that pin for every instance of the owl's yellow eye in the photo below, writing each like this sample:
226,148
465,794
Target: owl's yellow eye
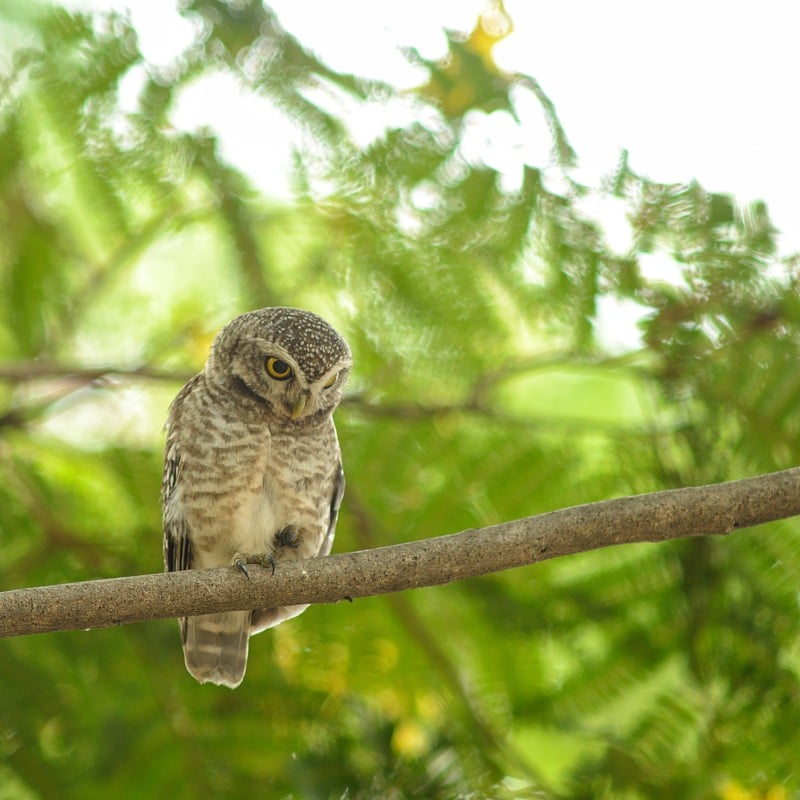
278,369
328,383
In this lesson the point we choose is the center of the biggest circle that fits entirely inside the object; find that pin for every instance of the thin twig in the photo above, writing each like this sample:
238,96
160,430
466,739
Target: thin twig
69,377
38,370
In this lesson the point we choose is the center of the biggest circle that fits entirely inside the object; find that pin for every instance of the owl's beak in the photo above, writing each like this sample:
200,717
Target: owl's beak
299,406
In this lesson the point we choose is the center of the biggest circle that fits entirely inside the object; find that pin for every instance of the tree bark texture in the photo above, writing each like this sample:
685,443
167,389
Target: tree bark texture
716,509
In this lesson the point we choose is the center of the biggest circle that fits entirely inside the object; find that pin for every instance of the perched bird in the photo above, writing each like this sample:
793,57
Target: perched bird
252,470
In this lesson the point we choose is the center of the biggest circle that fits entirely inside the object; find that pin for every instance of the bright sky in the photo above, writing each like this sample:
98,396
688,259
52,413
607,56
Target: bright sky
691,89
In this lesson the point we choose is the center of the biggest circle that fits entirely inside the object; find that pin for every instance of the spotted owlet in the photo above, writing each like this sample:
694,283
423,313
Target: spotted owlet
253,472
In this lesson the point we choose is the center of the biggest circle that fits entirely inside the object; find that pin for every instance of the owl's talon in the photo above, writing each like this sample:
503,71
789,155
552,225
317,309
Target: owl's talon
241,560
242,565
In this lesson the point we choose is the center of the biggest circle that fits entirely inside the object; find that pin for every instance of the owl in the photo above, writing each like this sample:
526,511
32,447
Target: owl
252,469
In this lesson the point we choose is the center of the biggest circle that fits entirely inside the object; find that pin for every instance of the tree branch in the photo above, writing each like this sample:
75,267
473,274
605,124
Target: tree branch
23,371
717,509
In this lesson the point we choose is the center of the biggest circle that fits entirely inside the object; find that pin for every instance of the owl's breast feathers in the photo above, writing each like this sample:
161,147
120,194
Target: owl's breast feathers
231,482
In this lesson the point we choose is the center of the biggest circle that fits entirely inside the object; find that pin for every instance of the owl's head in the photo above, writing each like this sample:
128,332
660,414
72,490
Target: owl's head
285,360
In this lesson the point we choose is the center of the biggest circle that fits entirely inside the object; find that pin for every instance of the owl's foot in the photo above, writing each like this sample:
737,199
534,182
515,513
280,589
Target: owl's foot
241,560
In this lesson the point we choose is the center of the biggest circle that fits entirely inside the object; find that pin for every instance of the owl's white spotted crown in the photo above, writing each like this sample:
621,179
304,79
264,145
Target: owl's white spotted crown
313,342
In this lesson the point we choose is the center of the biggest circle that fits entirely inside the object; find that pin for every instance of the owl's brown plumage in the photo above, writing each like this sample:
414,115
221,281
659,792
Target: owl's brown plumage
252,466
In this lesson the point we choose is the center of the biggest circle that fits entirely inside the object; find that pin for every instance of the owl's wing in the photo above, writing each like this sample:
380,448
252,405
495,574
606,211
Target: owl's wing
214,645
336,501
177,536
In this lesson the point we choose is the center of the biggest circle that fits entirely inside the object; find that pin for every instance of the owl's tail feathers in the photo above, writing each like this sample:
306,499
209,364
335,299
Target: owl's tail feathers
215,647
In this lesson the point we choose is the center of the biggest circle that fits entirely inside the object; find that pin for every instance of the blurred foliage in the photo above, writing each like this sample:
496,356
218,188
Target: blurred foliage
477,301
